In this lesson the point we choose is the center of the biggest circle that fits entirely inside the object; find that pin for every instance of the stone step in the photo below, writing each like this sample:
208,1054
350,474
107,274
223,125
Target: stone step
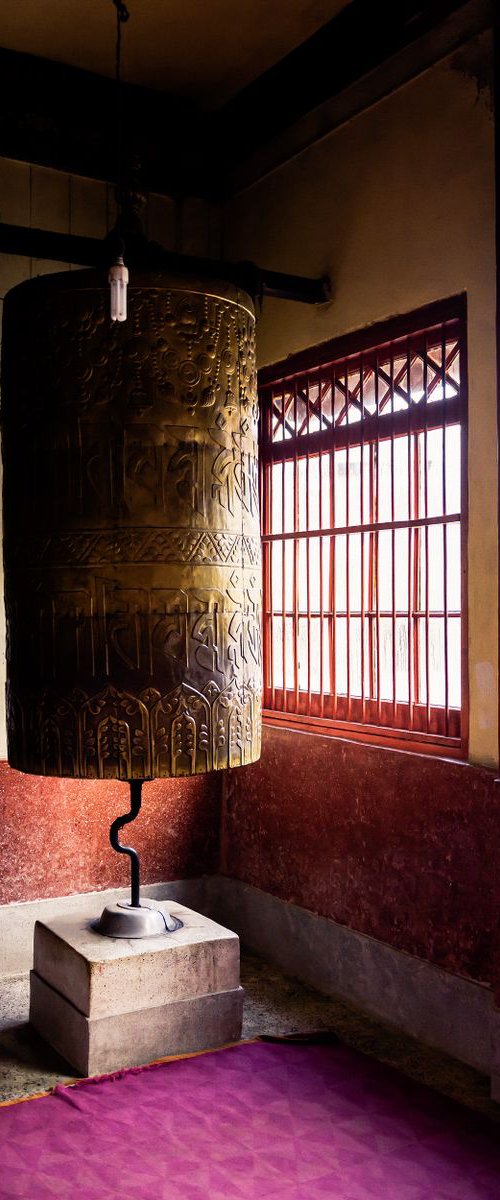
103,976
97,1045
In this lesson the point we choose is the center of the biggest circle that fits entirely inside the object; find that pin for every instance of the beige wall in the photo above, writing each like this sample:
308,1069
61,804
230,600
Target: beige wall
52,200
398,207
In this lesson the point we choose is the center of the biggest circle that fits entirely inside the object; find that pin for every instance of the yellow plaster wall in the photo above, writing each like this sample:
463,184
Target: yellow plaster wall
398,207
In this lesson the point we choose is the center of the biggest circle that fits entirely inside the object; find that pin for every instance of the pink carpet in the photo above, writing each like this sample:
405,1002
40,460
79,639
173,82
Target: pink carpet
253,1122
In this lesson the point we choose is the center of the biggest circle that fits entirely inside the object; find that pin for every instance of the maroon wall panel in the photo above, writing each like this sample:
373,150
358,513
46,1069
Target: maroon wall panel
54,833
398,845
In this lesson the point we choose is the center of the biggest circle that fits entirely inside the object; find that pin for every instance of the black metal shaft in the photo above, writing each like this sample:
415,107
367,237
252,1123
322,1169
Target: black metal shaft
135,865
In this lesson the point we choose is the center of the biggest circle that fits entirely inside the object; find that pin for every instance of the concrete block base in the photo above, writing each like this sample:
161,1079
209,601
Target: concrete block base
96,1046
107,1003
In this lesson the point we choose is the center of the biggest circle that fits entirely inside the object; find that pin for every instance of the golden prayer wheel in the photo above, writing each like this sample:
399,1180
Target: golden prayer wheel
132,547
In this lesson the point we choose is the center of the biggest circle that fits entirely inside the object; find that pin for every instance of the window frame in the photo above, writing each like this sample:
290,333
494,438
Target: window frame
375,340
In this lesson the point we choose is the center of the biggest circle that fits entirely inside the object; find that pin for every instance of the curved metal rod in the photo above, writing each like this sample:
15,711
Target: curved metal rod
135,808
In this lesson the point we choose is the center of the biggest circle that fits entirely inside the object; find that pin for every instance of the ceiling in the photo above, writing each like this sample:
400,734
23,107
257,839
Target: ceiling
204,50
216,84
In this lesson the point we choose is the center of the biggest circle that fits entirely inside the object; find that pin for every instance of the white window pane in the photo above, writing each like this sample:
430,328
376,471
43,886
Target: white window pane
303,655
315,664
401,560
302,493
278,652
401,492
436,567
341,655
326,655
340,492
402,661
289,590
313,422
369,391
277,417
341,573
326,498
314,574
354,458
384,571
289,498
368,665
354,541
302,575
277,576
453,567
383,481
454,663
367,539
288,422
417,379
436,661
277,501
313,493
326,404
453,469
430,450
355,656
367,458
422,661
420,536
326,556
385,658
290,655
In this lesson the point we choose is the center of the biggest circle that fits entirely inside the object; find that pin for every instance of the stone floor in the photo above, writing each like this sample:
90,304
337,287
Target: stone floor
274,1004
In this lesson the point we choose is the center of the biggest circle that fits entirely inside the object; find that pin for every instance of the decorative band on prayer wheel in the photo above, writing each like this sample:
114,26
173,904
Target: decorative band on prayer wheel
131,534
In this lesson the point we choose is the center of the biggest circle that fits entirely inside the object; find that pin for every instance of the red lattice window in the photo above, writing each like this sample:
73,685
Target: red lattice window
363,491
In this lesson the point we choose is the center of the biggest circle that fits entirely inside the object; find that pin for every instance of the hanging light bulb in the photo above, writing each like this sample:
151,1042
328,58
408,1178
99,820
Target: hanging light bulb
118,273
118,280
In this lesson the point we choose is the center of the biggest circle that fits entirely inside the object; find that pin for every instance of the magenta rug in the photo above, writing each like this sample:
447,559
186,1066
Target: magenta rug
253,1122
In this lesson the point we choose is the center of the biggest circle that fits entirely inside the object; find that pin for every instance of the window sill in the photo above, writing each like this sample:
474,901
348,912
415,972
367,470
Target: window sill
392,739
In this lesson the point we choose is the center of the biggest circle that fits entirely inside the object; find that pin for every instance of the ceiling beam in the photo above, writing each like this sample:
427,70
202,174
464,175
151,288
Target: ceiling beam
61,117
354,43
452,32
92,252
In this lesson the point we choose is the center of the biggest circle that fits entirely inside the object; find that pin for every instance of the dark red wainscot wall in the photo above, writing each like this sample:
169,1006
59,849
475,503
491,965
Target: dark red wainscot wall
54,833
397,845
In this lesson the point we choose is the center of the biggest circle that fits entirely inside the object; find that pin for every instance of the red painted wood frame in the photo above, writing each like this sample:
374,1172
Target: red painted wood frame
364,505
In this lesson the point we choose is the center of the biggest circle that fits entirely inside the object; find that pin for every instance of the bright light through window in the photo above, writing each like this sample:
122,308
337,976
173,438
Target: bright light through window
362,531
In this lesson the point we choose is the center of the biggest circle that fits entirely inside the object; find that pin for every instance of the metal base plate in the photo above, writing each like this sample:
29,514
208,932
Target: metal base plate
122,920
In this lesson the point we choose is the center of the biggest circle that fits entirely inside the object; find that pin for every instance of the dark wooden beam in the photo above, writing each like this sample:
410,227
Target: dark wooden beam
453,32
92,252
62,117
358,40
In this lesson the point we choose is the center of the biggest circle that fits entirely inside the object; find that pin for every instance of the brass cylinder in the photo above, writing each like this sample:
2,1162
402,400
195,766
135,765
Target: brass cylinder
131,536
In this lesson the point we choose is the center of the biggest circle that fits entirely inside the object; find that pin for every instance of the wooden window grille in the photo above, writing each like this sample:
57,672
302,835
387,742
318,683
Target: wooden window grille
363,478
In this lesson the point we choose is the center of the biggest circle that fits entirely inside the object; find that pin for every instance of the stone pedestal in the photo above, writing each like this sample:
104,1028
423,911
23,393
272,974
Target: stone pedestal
106,1003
